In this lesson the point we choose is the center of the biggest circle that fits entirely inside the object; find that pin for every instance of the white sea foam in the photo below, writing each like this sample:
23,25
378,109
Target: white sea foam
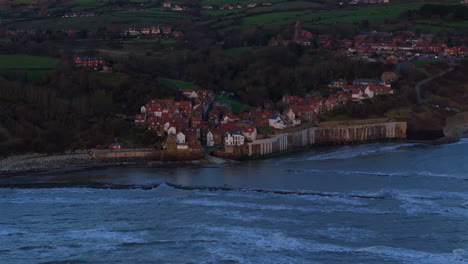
283,207
263,240
11,232
412,256
270,194
106,235
358,151
462,253
329,199
407,173
347,234
271,240
78,201
250,217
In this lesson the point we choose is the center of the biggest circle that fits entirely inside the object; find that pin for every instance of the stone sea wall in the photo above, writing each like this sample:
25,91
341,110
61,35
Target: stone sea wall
327,133
148,154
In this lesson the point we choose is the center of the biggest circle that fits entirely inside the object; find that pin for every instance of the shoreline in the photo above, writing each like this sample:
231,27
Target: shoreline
64,165
5,175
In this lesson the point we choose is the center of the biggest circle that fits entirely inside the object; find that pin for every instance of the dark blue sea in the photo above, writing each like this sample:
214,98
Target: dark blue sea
374,203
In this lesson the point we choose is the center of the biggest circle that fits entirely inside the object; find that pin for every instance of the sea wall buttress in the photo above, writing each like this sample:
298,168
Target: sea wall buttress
327,133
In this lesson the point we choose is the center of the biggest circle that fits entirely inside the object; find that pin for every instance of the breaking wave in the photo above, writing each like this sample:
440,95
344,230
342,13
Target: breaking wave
361,150
383,173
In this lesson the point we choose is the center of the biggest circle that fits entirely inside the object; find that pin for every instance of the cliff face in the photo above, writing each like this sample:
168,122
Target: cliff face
457,126
328,134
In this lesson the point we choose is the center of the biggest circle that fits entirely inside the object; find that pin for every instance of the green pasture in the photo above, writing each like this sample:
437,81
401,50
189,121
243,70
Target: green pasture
237,107
234,2
371,13
27,67
90,23
28,62
277,6
423,63
177,84
23,74
110,78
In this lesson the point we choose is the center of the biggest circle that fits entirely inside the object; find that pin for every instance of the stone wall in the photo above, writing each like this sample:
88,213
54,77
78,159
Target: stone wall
328,133
148,154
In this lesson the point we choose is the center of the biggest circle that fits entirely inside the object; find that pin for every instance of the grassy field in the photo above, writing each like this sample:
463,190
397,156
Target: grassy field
177,84
437,25
423,63
375,13
29,62
232,2
110,78
237,107
313,15
27,67
29,75
277,6
117,17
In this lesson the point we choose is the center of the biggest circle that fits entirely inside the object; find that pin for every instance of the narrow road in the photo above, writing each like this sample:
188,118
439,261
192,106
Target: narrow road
421,83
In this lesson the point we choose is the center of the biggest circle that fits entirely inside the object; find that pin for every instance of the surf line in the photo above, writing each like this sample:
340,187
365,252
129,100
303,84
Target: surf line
177,186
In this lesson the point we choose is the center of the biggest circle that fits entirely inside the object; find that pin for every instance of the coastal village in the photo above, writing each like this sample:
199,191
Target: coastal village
390,48
203,121
197,119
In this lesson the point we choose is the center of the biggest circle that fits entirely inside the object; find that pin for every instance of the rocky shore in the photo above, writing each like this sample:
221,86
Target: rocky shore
35,163
32,162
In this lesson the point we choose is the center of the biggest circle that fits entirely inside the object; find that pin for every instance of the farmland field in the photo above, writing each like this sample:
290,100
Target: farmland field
372,13
277,6
232,2
177,84
29,62
110,78
118,17
29,67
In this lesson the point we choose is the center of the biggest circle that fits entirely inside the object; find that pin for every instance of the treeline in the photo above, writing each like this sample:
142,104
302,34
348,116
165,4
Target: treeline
445,12
70,109
259,74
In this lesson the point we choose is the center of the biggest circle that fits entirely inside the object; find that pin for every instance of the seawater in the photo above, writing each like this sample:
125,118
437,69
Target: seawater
413,209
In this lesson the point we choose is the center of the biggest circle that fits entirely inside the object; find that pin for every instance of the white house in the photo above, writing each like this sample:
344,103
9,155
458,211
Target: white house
158,111
143,110
229,118
276,122
155,30
209,139
233,139
177,8
370,91
190,93
357,94
250,133
292,117
166,126
180,138
171,130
